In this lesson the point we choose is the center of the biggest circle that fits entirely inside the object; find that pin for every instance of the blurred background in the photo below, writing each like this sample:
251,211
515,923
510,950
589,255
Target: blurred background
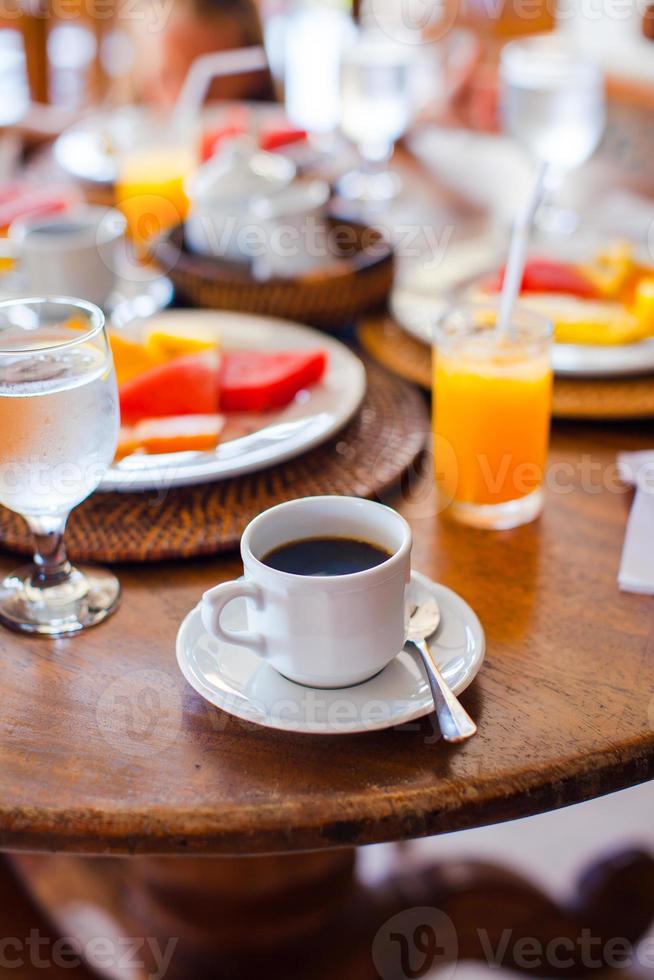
338,93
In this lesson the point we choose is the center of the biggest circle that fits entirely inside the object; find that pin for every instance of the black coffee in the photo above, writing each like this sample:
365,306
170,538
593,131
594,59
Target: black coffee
325,556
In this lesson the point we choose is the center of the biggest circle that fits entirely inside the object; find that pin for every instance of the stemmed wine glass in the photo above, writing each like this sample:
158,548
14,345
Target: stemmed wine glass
552,102
377,95
58,433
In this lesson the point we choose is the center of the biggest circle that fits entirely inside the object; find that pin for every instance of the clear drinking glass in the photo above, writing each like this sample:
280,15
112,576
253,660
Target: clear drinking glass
377,96
552,102
59,424
492,405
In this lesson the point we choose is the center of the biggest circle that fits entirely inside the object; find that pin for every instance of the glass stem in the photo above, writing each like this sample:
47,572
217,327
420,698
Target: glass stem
375,155
51,566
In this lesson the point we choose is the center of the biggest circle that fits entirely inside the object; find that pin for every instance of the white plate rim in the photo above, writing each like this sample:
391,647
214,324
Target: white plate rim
198,468
355,727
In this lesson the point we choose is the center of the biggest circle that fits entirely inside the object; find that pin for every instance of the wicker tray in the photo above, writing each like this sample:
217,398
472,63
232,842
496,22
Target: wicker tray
573,398
365,459
359,280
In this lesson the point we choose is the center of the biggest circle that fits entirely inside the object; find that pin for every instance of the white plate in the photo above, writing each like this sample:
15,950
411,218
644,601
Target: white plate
90,149
417,306
242,684
311,418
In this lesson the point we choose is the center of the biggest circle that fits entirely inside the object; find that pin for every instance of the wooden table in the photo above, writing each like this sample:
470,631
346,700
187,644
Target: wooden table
240,841
104,750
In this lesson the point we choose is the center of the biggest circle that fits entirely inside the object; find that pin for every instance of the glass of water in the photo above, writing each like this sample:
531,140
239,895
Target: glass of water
552,102
377,95
59,424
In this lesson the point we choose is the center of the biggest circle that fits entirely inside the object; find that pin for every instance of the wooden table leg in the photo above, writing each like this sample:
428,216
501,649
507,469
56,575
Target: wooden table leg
304,917
226,917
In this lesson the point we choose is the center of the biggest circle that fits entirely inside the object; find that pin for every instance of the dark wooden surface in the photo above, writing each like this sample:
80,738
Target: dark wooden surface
104,748
277,916
20,917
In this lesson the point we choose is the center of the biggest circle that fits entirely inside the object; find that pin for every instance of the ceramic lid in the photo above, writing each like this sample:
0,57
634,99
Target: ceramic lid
237,173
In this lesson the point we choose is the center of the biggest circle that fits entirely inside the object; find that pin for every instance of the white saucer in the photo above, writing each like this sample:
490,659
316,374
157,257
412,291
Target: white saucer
244,685
139,293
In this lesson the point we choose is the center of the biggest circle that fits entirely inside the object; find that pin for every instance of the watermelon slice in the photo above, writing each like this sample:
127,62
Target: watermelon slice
549,276
183,386
31,202
259,381
275,139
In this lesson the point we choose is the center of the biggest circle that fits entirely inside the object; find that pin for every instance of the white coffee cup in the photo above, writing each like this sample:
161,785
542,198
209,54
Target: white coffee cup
323,630
75,253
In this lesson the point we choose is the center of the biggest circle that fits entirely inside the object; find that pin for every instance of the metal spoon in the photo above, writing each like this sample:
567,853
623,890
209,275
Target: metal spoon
455,723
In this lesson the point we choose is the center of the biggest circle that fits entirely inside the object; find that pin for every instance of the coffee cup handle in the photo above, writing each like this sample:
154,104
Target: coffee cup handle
213,603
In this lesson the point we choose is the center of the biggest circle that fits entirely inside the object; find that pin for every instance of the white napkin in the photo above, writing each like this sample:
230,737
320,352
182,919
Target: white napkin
636,572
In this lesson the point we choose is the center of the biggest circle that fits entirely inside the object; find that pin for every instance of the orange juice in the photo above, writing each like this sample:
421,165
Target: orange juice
504,19
150,189
492,401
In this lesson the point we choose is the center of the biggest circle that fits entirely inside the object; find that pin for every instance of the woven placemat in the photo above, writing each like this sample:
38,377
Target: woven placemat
365,459
397,350
573,398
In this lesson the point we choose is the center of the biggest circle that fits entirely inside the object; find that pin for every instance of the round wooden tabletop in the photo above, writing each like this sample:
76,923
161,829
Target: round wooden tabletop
104,747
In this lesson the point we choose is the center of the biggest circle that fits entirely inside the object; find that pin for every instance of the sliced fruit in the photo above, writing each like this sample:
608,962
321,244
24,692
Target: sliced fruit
643,303
213,139
613,271
253,381
179,433
164,345
171,434
578,321
32,202
549,276
275,139
130,358
127,442
184,386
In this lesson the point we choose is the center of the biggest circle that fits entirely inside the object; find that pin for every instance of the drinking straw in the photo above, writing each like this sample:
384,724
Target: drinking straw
206,67
515,264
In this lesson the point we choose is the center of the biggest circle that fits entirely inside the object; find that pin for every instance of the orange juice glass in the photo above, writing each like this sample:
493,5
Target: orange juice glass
492,404
150,189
